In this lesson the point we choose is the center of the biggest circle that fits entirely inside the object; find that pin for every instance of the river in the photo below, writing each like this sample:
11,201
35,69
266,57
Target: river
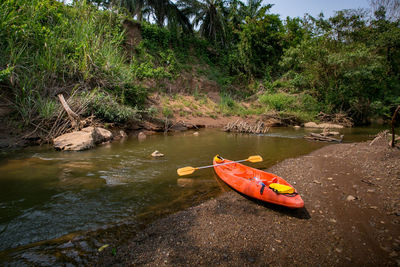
45,194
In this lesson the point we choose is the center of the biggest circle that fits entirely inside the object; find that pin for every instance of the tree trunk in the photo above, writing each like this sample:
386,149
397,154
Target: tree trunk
393,120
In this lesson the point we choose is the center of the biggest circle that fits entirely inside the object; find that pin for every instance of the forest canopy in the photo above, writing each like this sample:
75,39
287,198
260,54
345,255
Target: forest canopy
348,63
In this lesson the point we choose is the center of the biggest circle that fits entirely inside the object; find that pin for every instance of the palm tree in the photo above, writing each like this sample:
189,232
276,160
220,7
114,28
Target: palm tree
253,8
167,11
209,15
162,10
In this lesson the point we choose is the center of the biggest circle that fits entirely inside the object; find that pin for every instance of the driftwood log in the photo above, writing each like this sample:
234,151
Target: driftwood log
74,118
323,138
245,127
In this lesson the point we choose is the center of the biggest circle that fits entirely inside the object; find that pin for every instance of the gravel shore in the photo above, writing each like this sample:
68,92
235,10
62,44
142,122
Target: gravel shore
351,217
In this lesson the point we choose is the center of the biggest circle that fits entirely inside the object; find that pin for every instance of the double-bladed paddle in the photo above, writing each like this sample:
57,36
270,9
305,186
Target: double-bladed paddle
189,170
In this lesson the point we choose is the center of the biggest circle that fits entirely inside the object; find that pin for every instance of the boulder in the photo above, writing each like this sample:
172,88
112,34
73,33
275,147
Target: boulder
82,140
75,141
102,135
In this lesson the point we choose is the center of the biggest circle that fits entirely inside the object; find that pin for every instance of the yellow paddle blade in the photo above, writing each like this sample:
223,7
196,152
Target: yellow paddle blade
255,159
186,171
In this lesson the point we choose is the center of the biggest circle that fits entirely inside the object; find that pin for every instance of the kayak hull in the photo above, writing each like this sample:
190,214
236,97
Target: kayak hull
255,183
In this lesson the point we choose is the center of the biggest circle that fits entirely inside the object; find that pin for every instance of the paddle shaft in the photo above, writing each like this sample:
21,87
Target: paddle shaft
203,167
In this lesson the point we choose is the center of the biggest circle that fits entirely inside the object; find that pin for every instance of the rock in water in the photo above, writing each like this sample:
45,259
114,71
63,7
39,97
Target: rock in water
75,141
100,135
157,154
82,140
123,134
141,136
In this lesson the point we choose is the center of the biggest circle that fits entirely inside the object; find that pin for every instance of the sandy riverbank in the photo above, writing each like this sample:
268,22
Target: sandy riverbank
332,229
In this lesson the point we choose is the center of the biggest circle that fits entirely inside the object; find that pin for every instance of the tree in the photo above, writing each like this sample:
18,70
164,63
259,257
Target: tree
295,32
253,8
392,8
163,11
209,15
261,44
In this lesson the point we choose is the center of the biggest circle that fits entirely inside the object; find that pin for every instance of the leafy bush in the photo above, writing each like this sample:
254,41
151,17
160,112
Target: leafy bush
106,107
289,102
279,101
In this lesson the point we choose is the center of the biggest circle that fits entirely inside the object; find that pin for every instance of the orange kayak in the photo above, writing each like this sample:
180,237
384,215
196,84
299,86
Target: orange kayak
257,184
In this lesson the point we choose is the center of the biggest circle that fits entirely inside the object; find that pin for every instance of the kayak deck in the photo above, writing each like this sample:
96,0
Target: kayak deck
256,183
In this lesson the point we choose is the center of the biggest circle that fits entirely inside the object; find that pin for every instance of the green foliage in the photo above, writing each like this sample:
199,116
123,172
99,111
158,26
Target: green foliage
290,102
345,78
47,108
5,74
167,112
346,63
106,107
259,48
209,15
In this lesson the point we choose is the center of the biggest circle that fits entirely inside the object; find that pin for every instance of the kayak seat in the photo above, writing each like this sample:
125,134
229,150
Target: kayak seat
281,189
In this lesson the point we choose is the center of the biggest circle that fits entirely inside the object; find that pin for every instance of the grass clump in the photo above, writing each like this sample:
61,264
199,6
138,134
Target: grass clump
290,102
106,107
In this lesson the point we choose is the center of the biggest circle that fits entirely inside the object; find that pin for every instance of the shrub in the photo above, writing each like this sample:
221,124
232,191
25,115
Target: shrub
106,107
289,102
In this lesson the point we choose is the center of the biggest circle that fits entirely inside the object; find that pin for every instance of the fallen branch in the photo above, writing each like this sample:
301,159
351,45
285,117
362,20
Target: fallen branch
74,118
320,137
244,127
379,136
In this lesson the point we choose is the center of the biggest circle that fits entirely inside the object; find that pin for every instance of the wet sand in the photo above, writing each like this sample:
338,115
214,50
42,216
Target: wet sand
351,217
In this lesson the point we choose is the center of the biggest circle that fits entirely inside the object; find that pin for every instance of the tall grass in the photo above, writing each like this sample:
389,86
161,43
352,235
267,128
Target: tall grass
302,106
48,48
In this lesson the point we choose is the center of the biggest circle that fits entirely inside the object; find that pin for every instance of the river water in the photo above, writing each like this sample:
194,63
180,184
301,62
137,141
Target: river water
45,194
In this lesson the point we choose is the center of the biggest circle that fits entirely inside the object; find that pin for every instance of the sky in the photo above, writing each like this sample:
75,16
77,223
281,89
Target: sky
297,8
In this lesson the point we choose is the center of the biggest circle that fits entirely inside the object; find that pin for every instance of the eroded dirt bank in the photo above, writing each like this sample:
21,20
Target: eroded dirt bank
351,217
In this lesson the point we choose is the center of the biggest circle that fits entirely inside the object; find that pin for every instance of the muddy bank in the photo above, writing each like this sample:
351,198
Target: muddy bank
351,216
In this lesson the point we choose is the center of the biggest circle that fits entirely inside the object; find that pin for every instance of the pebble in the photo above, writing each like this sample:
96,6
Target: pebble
196,133
371,190
350,198
332,220
157,154
330,178
373,207
339,250
317,182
